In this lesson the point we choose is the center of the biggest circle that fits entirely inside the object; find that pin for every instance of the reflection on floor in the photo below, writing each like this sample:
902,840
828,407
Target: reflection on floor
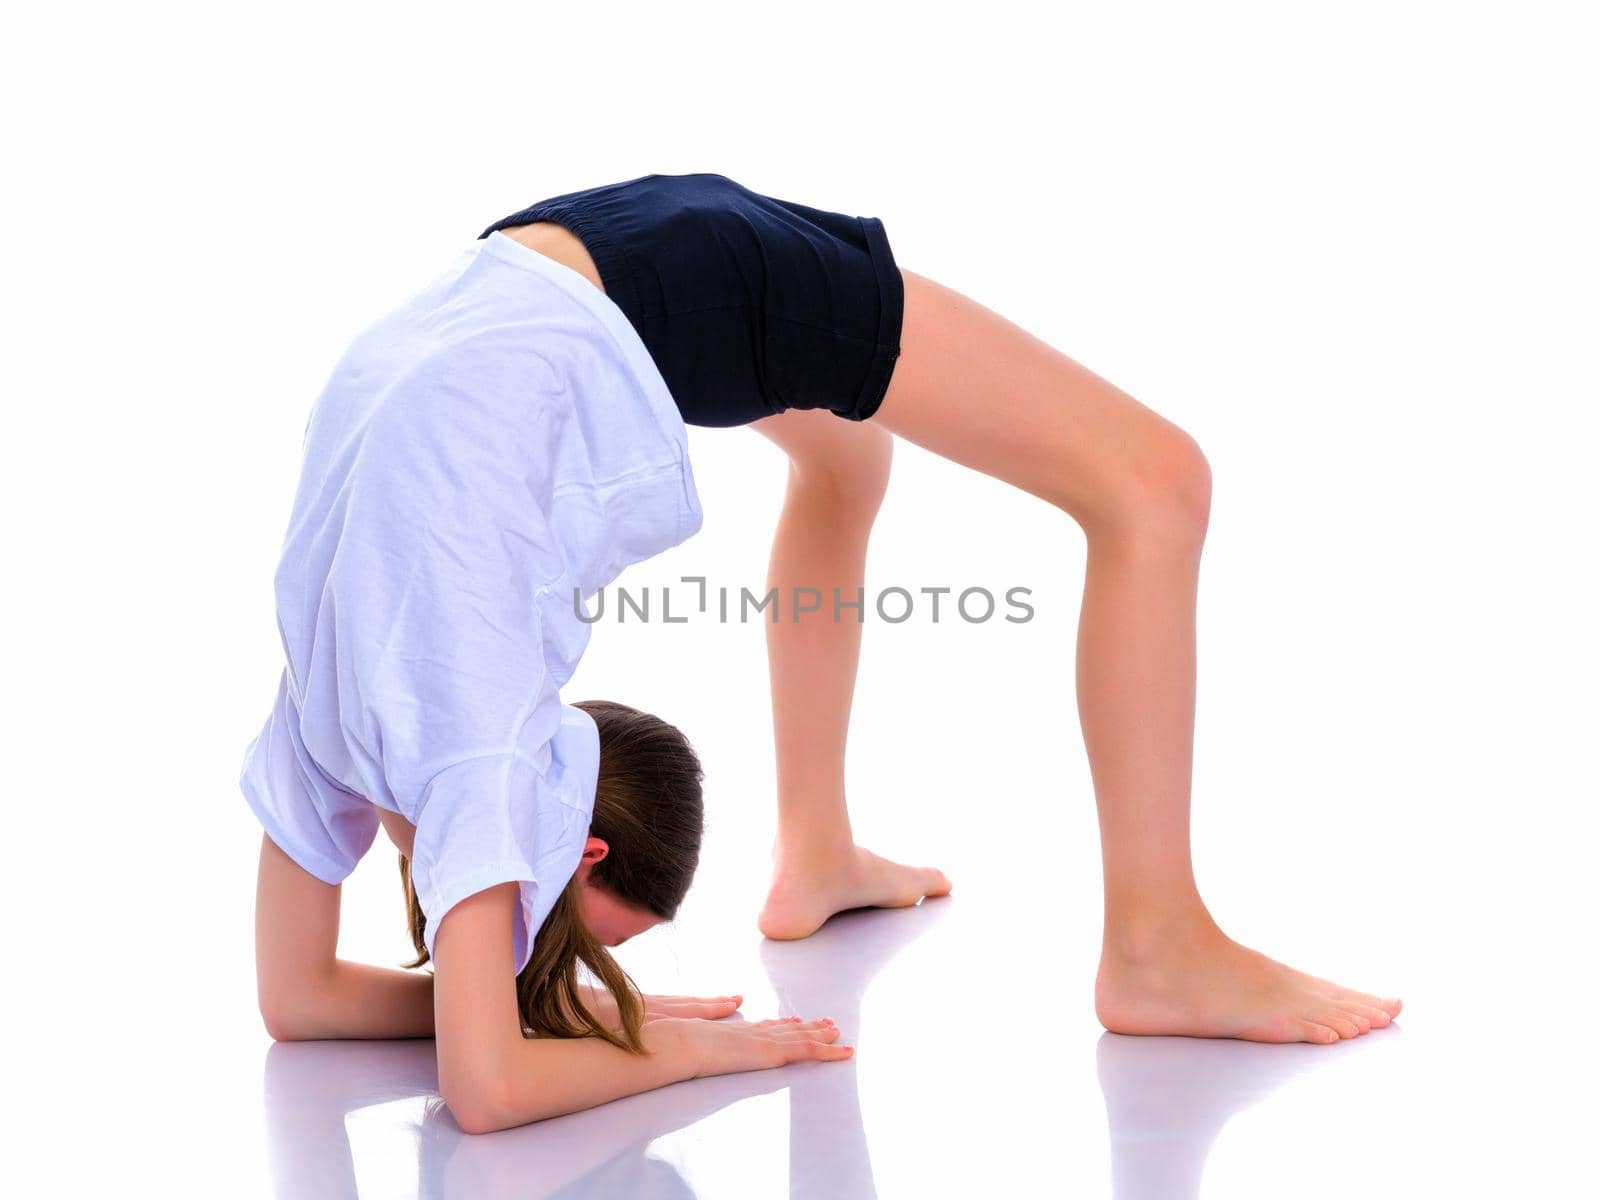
1167,1099
311,1088
360,1118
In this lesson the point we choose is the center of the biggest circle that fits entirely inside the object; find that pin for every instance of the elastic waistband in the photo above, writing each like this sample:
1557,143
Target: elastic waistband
641,365
615,266
598,303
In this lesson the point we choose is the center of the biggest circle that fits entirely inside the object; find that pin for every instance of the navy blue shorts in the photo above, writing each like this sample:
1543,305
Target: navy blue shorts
748,305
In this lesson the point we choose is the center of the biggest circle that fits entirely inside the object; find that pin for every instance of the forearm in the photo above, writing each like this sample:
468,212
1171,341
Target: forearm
358,1000
549,1077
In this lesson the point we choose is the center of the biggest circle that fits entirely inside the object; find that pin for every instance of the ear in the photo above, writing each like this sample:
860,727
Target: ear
593,851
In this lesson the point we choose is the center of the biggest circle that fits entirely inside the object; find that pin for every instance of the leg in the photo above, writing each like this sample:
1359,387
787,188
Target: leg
838,472
977,389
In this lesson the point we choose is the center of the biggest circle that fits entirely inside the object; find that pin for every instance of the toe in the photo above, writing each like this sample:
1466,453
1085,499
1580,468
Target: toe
1314,1031
1341,1024
1376,1018
1390,1005
1359,997
1362,1022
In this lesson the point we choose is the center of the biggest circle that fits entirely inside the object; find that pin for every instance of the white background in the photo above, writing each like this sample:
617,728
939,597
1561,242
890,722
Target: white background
1351,248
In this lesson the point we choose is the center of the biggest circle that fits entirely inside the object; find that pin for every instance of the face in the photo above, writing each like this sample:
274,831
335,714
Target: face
610,920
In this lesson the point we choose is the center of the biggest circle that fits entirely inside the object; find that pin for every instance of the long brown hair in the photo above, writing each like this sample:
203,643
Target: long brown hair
648,810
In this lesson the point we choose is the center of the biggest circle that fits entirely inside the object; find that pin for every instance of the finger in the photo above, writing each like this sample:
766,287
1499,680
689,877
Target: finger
827,1033
803,1029
695,1006
736,1000
803,1050
714,1009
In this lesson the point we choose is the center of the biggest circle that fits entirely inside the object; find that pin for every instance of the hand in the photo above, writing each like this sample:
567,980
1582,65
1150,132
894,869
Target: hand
727,1047
600,1002
707,1007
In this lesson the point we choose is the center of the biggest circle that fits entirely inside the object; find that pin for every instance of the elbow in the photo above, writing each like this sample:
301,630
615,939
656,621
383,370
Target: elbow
470,1123
476,1109
289,1016
476,1095
282,1027
296,1009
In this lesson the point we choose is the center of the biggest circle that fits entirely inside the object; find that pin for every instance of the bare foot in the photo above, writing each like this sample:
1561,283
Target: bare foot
1204,984
806,891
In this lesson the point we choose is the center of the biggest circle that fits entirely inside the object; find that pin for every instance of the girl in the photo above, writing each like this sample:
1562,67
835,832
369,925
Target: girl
512,436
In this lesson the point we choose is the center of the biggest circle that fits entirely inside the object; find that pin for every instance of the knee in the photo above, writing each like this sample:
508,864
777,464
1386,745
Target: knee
1169,488
854,480
1186,480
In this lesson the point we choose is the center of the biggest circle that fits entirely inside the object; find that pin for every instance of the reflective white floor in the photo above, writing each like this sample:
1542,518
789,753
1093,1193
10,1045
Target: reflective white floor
963,1085
1457,876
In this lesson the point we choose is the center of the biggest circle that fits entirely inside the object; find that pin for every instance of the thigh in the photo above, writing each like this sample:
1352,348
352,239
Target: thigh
848,456
979,390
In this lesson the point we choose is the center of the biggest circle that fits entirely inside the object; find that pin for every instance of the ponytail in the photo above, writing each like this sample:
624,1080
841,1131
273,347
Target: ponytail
547,990
548,997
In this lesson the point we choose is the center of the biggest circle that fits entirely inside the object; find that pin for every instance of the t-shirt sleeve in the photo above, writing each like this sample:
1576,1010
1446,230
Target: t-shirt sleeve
502,818
447,630
322,827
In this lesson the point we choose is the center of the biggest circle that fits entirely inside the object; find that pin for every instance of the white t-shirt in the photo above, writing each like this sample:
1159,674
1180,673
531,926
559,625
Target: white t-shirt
498,440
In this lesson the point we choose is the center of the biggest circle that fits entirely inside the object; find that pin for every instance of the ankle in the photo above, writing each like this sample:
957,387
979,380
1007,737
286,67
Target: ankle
1151,933
802,849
